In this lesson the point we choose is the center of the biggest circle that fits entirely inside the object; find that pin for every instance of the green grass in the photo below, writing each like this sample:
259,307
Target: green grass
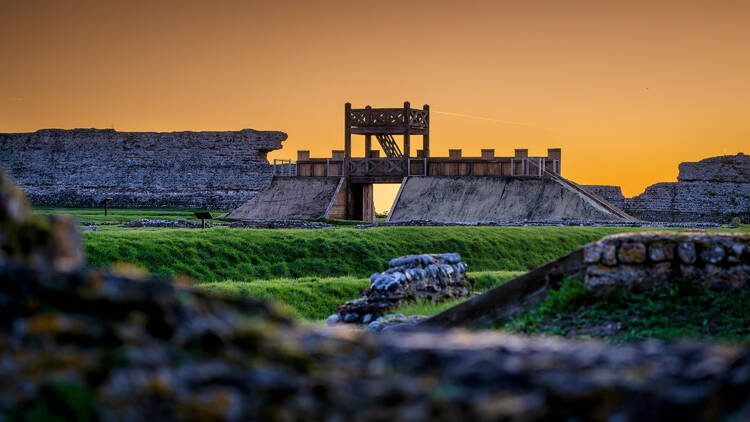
315,298
221,253
123,215
682,311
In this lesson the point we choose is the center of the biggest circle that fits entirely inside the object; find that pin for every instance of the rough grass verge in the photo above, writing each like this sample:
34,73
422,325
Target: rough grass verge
315,298
220,253
681,311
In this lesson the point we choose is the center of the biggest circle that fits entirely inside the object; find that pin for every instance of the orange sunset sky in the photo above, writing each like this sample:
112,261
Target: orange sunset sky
627,89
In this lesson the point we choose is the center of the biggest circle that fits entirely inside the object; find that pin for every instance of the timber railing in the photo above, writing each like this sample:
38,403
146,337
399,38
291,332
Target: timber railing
389,117
282,167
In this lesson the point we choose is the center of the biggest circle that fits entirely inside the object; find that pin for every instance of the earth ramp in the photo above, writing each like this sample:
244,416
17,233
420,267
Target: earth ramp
472,198
293,197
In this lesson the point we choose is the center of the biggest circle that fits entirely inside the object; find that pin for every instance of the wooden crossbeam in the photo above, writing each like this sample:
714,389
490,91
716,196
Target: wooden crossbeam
389,145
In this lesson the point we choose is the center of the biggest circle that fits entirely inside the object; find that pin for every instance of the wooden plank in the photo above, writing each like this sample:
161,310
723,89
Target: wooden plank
511,298
398,198
338,213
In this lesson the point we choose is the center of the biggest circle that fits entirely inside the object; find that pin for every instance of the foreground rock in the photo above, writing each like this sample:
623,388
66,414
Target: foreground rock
89,345
431,278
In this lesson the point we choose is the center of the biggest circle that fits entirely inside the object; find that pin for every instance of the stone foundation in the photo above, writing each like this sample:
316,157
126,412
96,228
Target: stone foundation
719,261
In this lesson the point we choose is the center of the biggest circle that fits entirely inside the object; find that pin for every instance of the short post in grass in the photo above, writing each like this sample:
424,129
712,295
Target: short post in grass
203,215
106,206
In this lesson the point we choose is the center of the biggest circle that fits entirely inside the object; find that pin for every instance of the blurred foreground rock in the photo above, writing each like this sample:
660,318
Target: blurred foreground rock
89,345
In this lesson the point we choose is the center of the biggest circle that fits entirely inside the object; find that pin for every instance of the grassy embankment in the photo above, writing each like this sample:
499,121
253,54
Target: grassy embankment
313,271
123,215
221,253
682,311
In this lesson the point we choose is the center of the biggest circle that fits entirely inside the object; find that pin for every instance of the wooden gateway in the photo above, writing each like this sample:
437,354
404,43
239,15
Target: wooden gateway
387,125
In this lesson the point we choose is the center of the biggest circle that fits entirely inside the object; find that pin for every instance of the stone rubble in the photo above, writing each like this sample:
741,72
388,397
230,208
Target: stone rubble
279,224
434,278
174,224
719,261
524,223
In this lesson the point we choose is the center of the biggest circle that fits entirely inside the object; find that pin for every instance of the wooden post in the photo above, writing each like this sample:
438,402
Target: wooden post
347,154
347,137
368,142
426,139
407,134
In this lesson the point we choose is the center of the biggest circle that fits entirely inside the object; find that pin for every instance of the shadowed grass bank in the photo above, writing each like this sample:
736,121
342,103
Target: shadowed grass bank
682,311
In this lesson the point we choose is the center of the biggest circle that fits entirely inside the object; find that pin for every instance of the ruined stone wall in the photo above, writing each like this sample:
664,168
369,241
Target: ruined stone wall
612,194
80,167
719,261
715,190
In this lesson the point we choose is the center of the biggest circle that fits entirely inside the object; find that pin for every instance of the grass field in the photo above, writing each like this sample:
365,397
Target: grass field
311,272
682,311
221,253
315,298
123,215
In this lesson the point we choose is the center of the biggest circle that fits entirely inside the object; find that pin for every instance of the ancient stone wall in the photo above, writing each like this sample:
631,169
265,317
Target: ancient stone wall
612,194
716,190
719,261
81,167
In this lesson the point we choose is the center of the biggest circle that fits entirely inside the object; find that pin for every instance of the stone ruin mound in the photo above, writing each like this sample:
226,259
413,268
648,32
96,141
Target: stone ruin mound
92,345
432,278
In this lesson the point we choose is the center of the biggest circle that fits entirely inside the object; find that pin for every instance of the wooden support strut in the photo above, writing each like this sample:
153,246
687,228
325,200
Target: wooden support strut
407,135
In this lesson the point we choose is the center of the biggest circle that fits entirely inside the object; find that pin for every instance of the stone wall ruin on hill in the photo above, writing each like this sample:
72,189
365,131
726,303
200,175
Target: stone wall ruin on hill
81,167
715,190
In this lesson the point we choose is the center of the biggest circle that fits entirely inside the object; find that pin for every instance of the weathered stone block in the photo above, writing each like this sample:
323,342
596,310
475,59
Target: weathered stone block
686,252
658,275
692,274
609,255
600,279
734,252
592,253
712,253
632,253
661,251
